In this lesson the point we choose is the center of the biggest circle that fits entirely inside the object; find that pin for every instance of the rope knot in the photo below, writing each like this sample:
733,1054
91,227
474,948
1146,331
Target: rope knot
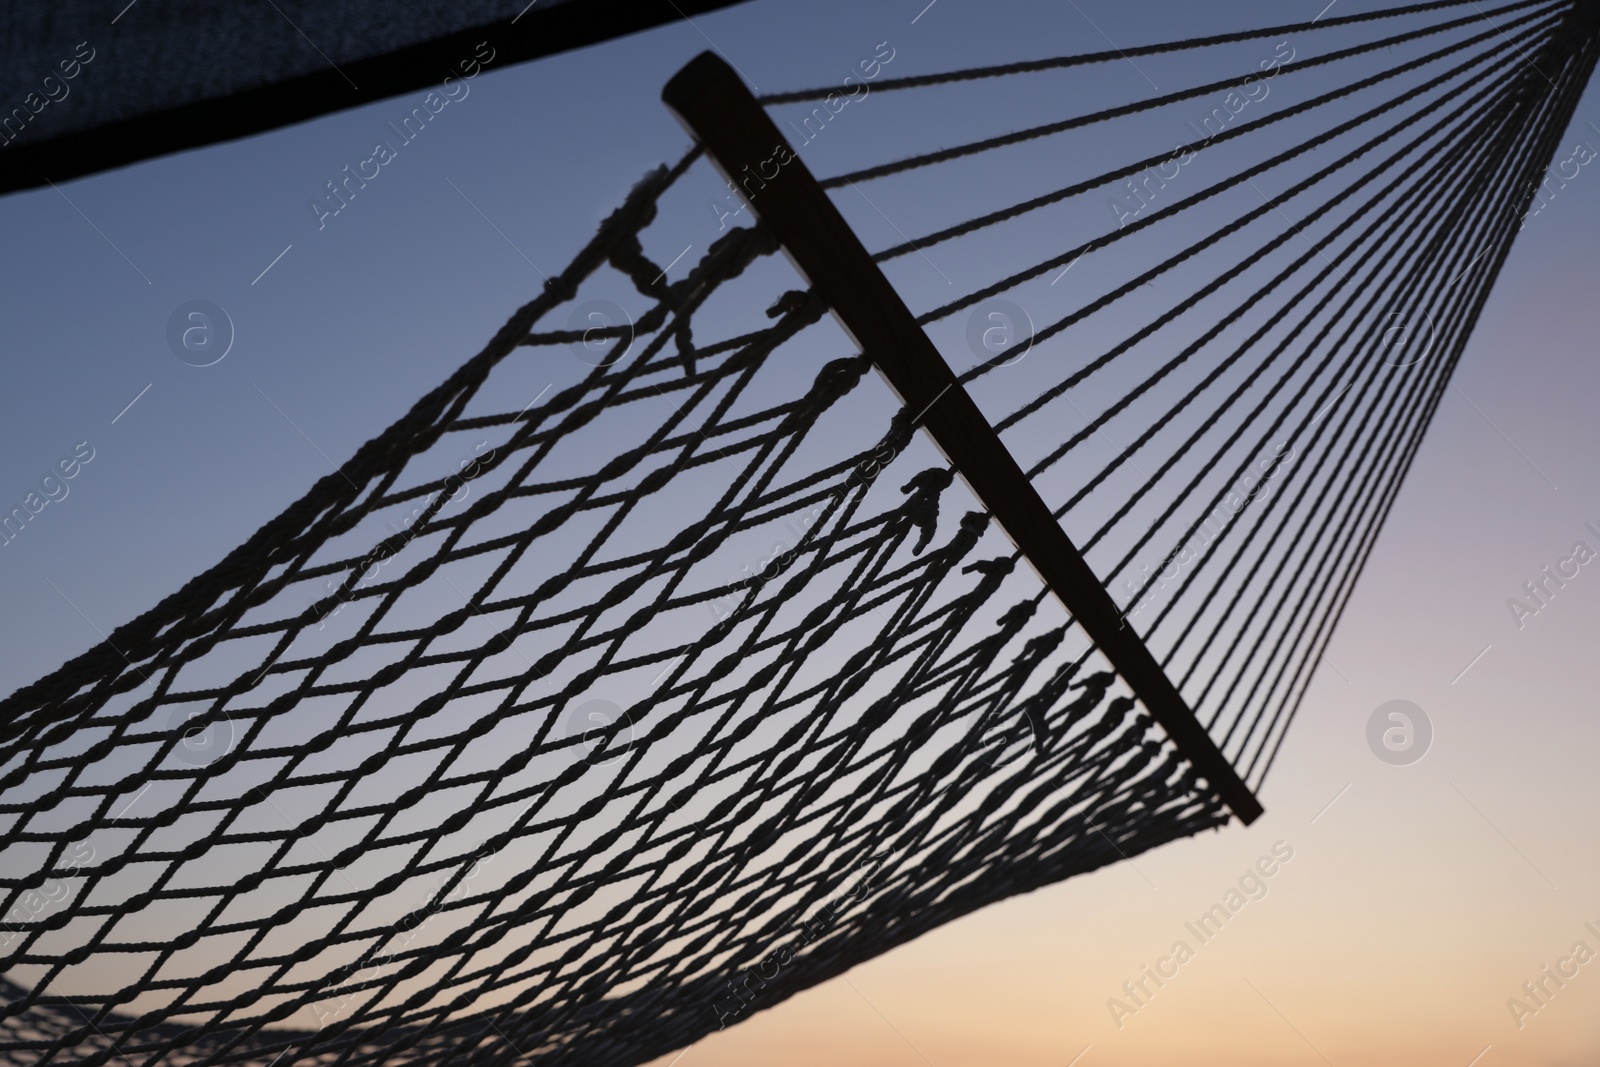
923,508
561,288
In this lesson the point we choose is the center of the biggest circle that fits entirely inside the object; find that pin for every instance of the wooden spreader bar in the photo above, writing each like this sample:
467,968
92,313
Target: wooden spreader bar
712,102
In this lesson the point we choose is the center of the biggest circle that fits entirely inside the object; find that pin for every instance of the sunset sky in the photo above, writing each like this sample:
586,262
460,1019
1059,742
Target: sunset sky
1418,899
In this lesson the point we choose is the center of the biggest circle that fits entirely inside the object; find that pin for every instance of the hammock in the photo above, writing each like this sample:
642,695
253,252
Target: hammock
573,724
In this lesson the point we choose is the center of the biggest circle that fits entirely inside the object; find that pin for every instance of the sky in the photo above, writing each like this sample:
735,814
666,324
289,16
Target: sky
1418,898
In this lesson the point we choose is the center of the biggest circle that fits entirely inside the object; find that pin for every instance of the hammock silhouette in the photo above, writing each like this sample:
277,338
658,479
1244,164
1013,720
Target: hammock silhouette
520,737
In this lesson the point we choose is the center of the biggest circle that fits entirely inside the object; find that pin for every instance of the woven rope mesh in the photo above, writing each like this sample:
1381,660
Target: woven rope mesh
573,722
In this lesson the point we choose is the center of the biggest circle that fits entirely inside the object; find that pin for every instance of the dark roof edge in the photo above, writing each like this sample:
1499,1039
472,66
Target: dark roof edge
534,34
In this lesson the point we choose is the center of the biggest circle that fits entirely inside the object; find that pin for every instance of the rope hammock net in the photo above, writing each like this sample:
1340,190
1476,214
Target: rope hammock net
575,723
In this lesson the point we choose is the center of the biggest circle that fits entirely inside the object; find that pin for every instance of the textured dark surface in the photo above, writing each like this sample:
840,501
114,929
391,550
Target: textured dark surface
176,74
